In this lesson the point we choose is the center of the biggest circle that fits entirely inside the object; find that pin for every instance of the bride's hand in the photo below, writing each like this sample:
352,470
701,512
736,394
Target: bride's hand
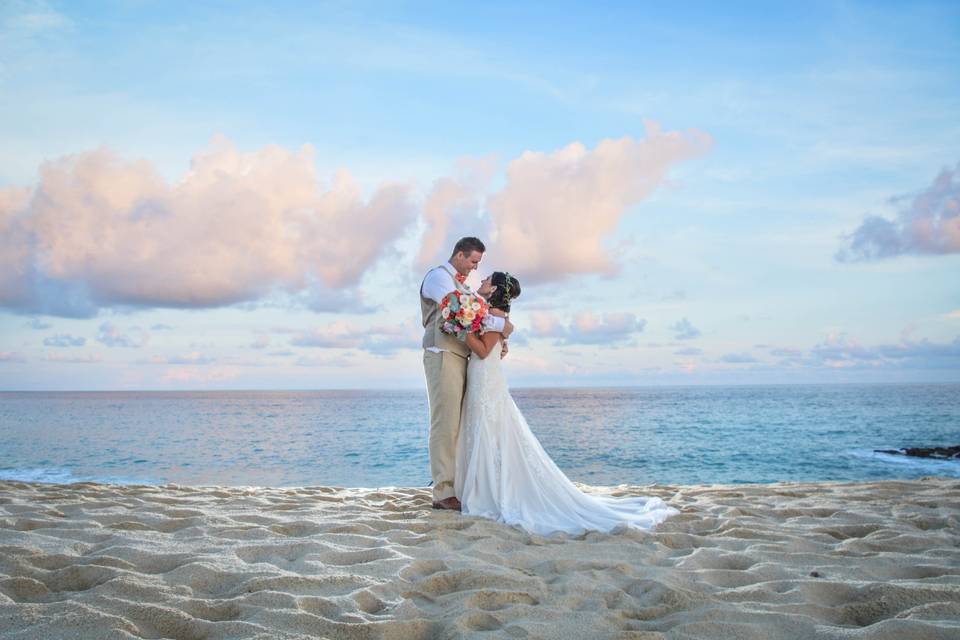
504,349
500,313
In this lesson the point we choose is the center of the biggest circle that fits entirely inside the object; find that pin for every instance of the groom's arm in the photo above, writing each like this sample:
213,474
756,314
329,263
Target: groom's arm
496,320
436,285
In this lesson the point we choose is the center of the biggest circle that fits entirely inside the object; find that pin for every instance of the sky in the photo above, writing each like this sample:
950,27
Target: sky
233,195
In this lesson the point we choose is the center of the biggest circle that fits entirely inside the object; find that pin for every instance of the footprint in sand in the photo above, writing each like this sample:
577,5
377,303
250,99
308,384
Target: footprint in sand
360,556
493,600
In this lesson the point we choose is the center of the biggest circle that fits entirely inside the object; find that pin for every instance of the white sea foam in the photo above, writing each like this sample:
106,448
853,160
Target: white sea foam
928,466
64,475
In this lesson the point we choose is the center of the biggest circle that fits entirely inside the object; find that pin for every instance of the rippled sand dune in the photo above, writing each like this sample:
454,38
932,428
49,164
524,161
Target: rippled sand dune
867,560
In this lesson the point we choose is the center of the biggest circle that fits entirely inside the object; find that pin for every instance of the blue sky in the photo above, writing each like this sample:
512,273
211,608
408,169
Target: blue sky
238,195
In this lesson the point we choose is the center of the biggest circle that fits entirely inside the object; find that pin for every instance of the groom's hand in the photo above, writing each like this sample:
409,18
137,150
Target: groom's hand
507,328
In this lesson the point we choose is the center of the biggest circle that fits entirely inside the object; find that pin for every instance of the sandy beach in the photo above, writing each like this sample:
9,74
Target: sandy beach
788,560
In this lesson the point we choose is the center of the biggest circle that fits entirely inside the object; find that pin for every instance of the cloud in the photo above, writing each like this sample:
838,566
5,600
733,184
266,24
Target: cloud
193,375
839,350
26,19
98,231
92,358
840,347
38,324
954,315
685,330
784,352
337,335
161,327
388,339
325,299
557,210
688,351
737,358
110,335
926,223
10,356
451,211
338,361
262,341
586,328
193,357
64,340
379,340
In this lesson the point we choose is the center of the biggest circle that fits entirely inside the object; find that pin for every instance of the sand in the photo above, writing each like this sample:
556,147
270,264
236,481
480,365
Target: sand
789,560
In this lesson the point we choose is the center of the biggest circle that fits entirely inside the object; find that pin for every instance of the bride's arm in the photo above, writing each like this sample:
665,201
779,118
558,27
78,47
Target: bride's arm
484,344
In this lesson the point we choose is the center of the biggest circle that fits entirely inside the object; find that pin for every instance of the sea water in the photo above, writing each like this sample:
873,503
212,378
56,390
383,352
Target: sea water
673,435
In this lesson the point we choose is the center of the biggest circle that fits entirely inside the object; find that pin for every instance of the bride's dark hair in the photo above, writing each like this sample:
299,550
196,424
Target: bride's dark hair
507,288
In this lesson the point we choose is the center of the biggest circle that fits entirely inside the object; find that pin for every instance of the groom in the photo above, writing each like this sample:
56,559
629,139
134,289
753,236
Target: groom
445,365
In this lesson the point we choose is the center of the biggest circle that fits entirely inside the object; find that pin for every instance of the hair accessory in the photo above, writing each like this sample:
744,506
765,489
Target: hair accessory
507,289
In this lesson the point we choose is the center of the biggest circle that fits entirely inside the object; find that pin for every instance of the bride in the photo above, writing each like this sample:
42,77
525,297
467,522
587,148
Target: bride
503,473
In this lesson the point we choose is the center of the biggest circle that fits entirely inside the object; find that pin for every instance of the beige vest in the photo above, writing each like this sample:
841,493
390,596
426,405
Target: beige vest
432,335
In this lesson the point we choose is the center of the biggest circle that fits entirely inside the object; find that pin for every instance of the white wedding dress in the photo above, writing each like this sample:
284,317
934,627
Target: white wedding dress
504,474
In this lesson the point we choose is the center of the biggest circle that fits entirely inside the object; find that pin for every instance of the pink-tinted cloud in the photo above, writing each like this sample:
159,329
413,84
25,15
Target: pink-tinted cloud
100,231
194,357
92,358
112,336
327,361
379,340
194,375
10,356
839,347
585,328
337,335
926,223
556,212
452,210
841,350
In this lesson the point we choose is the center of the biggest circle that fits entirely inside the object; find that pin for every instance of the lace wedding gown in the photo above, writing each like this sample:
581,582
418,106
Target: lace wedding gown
504,474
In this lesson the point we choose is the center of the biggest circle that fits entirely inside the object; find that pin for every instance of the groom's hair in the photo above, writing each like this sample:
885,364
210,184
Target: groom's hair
468,245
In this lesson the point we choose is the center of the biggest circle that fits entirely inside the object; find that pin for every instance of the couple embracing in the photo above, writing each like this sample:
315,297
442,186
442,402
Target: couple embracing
484,459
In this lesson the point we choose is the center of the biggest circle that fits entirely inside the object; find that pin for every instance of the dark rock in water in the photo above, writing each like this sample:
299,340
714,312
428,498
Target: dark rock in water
939,453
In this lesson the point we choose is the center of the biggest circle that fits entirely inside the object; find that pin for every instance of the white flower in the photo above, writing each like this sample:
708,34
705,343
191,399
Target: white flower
464,298
475,306
446,312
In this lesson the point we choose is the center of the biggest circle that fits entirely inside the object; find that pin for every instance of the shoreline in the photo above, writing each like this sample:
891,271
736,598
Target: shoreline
598,488
833,559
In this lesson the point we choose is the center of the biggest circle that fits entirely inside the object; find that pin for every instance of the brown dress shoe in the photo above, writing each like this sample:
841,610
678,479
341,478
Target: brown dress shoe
451,504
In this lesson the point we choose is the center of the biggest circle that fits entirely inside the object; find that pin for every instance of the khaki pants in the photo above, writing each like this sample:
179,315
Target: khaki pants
446,374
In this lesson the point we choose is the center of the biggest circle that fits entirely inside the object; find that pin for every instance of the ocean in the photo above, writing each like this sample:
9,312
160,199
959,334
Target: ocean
669,435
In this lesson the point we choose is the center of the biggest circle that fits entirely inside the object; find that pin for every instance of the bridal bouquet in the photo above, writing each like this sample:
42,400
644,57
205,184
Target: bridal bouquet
462,313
